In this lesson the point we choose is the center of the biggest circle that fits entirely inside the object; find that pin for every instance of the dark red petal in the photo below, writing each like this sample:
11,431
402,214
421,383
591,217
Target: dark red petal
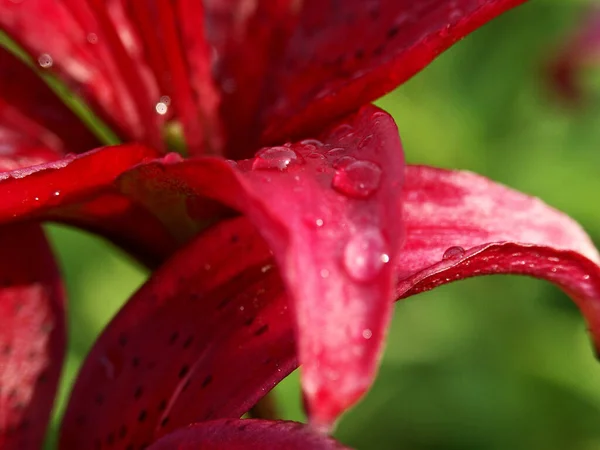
31,114
248,39
246,435
172,35
580,49
79,190
206,337
32,336
341,58
90,45
461,225
331,213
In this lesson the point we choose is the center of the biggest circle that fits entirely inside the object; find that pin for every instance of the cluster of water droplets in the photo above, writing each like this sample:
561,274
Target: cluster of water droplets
366,252
162,106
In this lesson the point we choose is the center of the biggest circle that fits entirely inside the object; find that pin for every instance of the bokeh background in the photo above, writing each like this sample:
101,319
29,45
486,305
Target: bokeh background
489,363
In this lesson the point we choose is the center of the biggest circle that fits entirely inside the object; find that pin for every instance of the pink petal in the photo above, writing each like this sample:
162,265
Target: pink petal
341,58
79,190
32,116
206,337
331,213
32,336
246,435
461,225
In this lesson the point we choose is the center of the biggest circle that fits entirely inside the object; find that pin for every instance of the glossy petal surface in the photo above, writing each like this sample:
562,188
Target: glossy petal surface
246,434
329,69
32,115
79,190
32,336
205,338
461,225
330,211
92,47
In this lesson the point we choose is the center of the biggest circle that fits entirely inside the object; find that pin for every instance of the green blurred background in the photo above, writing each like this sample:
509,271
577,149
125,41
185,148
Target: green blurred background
489,363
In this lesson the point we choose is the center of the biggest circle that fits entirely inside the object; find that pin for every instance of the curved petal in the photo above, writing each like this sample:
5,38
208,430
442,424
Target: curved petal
79,190
246,434
225,351
206,337
461,225
330,211
136,63
31,115
339,59
32,336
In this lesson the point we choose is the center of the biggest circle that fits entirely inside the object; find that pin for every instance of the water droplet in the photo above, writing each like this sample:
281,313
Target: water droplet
453,252
314,142
367,334
172,157
364,255
266,268
37,199
343,162
231,162
315,155
275,158
161,108
359,179
319,222
56,193
45,61
92,38
324,273
586,277
336,153
365,142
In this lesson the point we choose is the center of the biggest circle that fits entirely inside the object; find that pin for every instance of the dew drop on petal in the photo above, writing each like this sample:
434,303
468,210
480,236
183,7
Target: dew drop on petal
314,142
453,252
367,334
359,179
161,108
336,153
343,162
172,157
275,158
365,255
92,38
45,61
319,222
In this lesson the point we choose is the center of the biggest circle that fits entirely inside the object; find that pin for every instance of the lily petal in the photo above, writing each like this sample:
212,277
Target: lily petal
206,337
79,190
246,434
330,210
227,311
330,69
32,335
31,115
461,225
248,40
90,46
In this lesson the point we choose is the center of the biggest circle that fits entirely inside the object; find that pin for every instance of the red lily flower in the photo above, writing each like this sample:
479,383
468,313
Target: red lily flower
334,226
